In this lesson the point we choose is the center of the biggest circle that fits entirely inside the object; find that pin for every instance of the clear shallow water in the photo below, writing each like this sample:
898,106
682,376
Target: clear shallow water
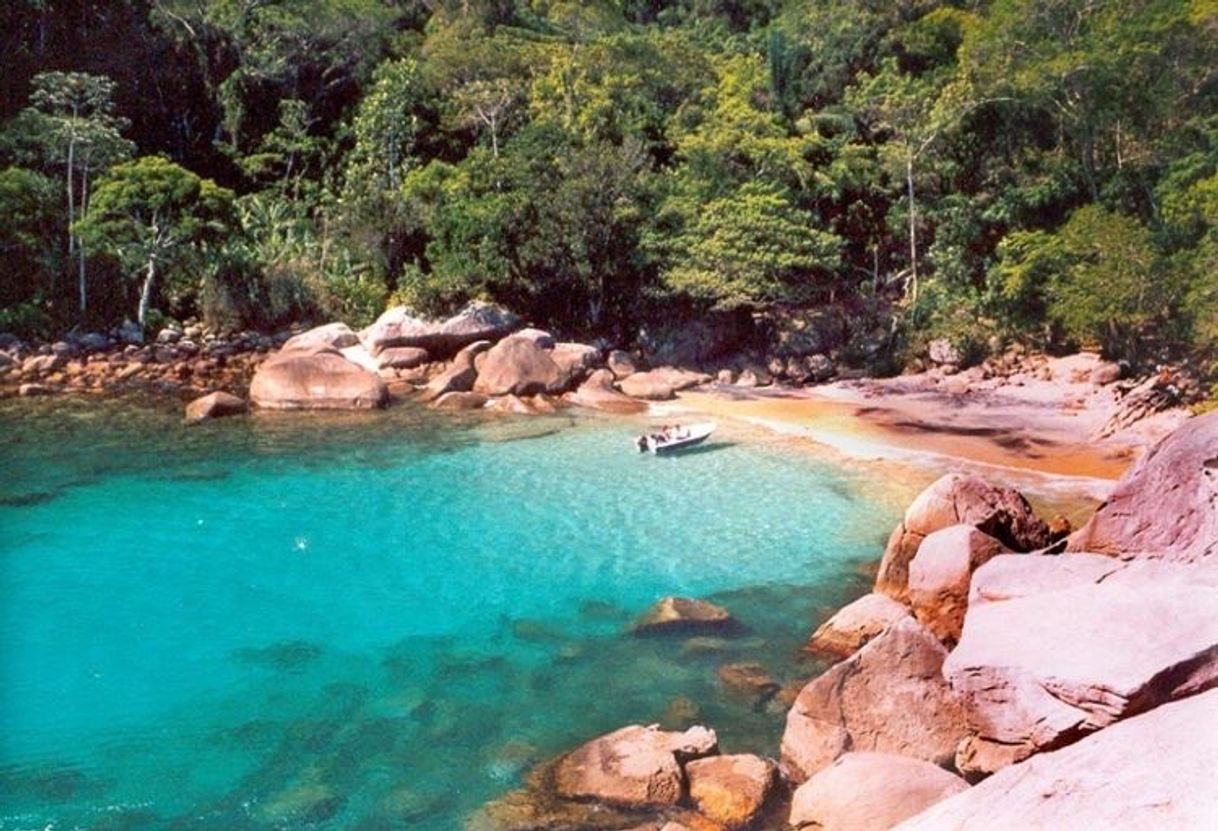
377,621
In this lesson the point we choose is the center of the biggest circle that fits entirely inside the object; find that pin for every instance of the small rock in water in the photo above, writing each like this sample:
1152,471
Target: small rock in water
287,656
680,714
683,615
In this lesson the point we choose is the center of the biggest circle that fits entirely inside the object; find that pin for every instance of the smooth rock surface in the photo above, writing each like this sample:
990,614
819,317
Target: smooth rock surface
685,616
871,792
215,405
331,336
1150,773
477,321
598,393
403,357
890,697
649,386
322,380
635,766
731,790
957,499
1042,670
857,623
1166,506
460,401
518,366
939,576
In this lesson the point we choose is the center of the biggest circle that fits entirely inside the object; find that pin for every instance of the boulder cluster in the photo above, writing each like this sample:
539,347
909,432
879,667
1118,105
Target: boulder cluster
1000,675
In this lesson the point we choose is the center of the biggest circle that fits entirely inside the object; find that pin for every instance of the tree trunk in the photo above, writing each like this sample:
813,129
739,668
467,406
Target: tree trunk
146,293
80,248
913,231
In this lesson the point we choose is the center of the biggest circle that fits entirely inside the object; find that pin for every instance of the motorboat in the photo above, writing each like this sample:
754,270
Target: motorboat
673,439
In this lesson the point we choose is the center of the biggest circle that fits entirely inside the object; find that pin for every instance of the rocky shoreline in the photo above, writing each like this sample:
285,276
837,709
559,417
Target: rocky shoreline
1004,673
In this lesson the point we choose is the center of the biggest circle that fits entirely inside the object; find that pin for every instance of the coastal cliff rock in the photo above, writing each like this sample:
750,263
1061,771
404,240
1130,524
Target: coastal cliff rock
1151,772
890,697
731,790
477,321
870,792
634,767
321,380
331,336
598,393
857,623
956,499
215,405
939,577
1166,507
1046,666
685,616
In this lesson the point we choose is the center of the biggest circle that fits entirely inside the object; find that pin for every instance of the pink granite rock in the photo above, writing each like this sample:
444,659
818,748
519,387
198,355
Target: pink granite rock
1150,773
214,405
331,336
731,790
956,499
634,766
518,366
870,792
939,577
1166,506
322,380
598,393
855,624
890,697
1041,670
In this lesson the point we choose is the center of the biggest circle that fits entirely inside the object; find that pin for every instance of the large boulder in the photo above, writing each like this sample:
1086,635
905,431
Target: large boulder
889,697
731,790
939,577
685,616
214,405
576,359
598,393
1166,506
331,336
857,623
518,366
635,766
871,792
649,386
322,380
1045,667
1152,772
956,499
441,338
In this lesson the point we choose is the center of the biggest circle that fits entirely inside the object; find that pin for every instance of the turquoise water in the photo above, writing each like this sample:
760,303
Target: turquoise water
378,621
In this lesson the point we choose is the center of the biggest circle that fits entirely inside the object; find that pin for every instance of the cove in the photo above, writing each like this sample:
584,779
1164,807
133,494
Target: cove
380,621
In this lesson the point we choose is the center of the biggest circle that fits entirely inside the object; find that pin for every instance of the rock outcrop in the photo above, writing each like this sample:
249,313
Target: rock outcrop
685,616
518,366
956,499
477,321
939,577
857,623
321,380
871,792
598,393
215,405
889,697
731,790
1166,507
635,766
1040,669
331,336
1155,771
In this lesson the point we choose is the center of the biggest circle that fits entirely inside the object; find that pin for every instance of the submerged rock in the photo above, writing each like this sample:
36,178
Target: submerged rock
890,697
683,615
215,405
1155,771
634,767
871,792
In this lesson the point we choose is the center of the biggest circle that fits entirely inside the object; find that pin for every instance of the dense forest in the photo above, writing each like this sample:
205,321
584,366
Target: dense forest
980,170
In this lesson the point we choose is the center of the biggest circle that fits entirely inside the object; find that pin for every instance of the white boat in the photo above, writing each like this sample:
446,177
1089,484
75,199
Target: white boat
676,438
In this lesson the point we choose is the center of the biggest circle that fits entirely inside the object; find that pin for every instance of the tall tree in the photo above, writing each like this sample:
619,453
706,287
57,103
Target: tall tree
148,213
80,132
